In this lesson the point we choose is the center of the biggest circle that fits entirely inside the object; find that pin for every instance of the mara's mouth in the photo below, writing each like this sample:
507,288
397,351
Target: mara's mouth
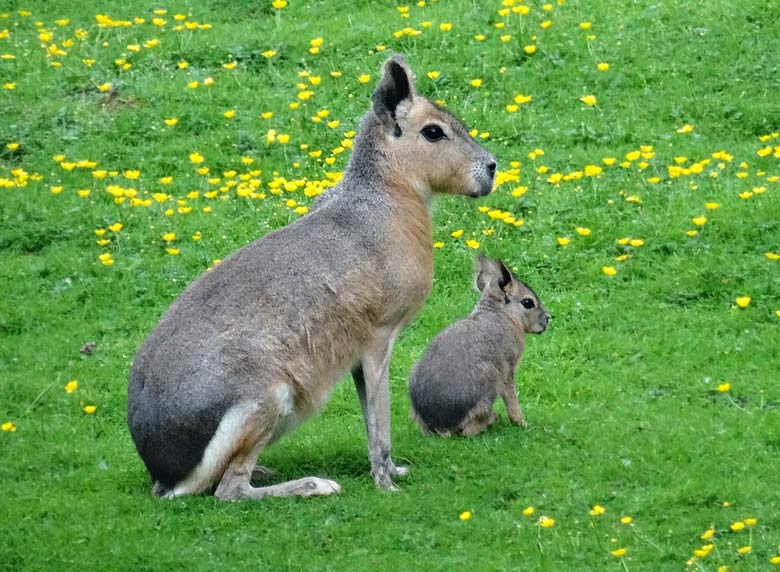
484,190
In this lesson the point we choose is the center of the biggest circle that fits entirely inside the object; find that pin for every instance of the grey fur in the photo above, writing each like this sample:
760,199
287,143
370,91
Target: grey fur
472,362
255,346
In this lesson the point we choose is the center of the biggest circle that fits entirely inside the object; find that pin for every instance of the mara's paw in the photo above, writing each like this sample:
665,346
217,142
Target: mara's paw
315,486
383,477
400,470
519,421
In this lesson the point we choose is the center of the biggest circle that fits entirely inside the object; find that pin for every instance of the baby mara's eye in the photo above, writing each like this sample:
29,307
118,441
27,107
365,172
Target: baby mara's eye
527,303
433,133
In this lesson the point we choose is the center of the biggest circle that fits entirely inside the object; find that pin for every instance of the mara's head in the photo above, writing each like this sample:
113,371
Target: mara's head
510,295
423,145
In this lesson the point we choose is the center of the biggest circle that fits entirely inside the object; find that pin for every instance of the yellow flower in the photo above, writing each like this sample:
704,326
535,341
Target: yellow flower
268,54
71,386
699,220
438,244
546,521
745,550
169,236
692,233
687,128
476,82
472,244
636,242
173,251
90,409
104,87
464,516
530,49
279,4
364,78
737,526
283,138
208,82
116,227
456,233
707,534
196,158
750,521
704,551
589,100
723,388
230,65
12,146
743,301
582,231
609,270
619,552
528,511
603,66
193,84
775,560
711,205
9,427
433,74
626,520
480,37
230,114
445,27
563,241
597,510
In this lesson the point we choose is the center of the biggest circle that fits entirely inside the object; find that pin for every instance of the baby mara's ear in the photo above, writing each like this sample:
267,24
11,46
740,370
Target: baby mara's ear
492,274
396,86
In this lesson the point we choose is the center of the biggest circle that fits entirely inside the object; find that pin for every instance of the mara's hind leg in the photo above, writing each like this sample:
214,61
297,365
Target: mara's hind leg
478,419
235,483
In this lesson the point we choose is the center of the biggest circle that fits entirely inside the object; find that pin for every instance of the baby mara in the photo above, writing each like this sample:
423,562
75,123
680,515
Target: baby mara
472,362
254,347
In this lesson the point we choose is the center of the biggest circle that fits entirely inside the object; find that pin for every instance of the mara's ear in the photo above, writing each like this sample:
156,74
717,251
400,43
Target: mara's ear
491,271
506,276
397,85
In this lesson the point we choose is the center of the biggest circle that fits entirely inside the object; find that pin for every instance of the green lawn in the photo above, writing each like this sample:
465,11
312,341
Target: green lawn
653,395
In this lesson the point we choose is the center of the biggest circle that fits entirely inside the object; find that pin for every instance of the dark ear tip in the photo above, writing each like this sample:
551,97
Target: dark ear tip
506,276
398,59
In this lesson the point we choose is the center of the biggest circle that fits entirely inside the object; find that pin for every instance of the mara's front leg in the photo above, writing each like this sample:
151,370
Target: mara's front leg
373,388
509,395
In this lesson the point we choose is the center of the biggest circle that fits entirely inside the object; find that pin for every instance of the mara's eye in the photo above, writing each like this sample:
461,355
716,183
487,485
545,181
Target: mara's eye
433,133
527,303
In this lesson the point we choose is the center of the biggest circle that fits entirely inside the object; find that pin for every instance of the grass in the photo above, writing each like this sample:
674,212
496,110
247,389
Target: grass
621,393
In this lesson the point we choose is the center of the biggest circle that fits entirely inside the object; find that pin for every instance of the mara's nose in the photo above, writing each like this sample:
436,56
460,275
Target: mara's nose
491,168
